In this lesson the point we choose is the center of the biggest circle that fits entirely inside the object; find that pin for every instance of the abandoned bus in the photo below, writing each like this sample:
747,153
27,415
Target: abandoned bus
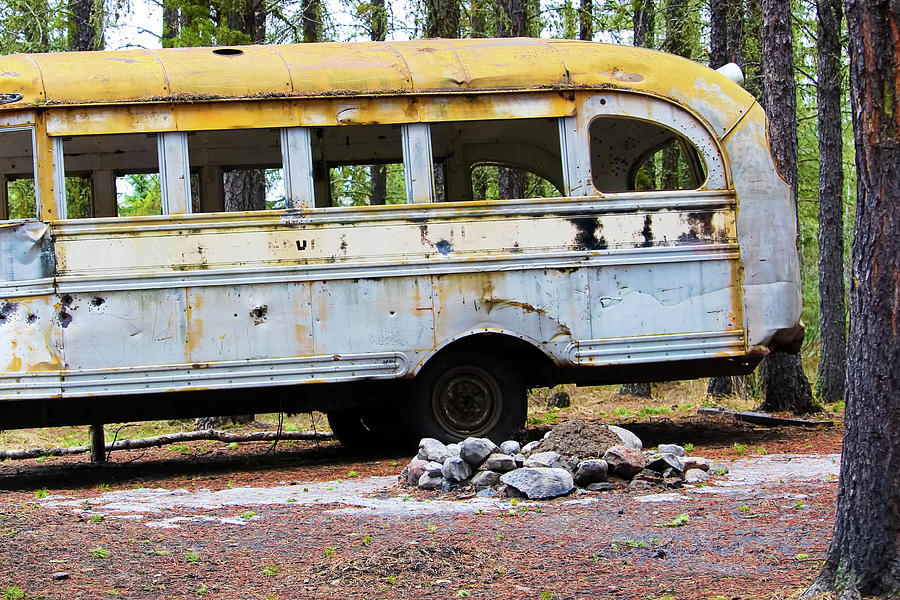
427,227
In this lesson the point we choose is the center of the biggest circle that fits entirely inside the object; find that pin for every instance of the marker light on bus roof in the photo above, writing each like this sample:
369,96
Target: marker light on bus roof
733,72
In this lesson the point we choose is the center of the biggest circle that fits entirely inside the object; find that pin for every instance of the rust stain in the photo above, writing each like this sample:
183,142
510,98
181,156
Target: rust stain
15,364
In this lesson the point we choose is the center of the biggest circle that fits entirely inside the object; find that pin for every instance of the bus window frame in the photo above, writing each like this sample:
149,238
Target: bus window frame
650,109
4,200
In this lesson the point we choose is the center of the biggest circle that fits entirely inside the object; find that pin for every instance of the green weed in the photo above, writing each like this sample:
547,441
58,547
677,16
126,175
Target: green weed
328,552
99,552
271,570
679,521
649,411
180,448
192,556
248,514
13,592
621,412
739,449
688,447
95,518
41,493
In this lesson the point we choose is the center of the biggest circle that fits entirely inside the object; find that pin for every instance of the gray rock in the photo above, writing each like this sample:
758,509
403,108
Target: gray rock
456,469
453,449
640,485
520,460
543,459
433,469
600,486
60,576
484,479
663,462
530,446
695,462
695,476
428,482
432,449
500,463
475,450
446,485
628,438
671,449
537,483
624,461
559,400
487,492
414,471
510,447
591,471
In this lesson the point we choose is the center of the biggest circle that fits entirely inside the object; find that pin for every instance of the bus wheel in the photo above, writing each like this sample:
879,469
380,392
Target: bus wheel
468,395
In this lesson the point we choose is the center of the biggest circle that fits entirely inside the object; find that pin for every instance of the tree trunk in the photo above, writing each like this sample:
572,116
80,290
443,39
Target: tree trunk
586,20
442,18
512,23
378,25
750,50
170,23
726,33
784,383
83,19
832,318
643,23
312,21
726,18
864,556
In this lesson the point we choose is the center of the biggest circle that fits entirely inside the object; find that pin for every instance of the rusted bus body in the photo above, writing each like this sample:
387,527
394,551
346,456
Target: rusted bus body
599,283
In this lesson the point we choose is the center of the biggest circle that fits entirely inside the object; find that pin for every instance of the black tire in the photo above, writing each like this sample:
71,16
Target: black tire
467,394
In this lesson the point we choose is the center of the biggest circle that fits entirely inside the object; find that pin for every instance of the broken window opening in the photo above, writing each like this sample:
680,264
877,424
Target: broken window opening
18,197
634,155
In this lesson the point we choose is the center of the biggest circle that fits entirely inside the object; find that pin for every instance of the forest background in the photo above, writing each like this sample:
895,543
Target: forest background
708,31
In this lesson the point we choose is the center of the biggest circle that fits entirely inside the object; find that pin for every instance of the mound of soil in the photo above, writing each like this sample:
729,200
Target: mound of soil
577,440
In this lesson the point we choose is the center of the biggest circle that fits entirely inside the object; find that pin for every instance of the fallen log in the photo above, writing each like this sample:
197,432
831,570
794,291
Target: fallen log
170,438
761,418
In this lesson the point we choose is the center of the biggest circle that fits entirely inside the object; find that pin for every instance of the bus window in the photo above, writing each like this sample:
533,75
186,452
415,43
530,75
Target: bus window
112,175
634,155
491,160
358,165
237,169
17,195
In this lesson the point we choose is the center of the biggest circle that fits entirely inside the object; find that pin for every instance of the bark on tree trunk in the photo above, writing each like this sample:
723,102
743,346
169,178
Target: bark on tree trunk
512,19
442,18
170,23
832,316
750,50
245,189
726,33
586,20
864,556
83,34
726,18
312,21
784,383
643,23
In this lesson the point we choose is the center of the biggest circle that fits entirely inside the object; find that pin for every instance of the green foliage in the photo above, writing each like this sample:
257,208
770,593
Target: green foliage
139,195
41,493
679,521
22,203
192,557
271,570
13,592
99,552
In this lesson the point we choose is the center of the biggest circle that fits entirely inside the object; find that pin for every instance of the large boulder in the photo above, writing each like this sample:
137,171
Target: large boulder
591,471
546,459
671,449
499,462
624,462
530,446
627,437
539,483
475,450
430,482
484,479
510,447
414,471
663,462
433,450
456,469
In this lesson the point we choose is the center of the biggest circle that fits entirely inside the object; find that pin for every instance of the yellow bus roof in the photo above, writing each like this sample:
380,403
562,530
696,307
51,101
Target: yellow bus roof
365,68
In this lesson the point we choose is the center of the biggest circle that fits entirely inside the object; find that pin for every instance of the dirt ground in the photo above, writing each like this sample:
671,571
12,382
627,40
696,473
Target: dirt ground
313,520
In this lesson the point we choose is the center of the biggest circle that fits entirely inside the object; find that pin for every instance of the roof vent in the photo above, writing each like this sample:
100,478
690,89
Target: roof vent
228,51
733,72
9,98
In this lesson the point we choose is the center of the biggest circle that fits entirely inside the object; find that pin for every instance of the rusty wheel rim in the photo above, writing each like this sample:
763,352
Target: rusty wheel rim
467,401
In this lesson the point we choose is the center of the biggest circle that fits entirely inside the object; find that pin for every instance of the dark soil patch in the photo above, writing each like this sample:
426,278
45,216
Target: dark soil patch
577,440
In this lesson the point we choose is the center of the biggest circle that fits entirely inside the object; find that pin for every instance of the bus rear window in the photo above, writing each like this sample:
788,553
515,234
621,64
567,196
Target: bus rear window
635,155
17,196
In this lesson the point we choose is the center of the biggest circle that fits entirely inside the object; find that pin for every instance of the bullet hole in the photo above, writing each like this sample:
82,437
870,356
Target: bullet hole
97,301
259,314
444,247
6,310
67,300
31,318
